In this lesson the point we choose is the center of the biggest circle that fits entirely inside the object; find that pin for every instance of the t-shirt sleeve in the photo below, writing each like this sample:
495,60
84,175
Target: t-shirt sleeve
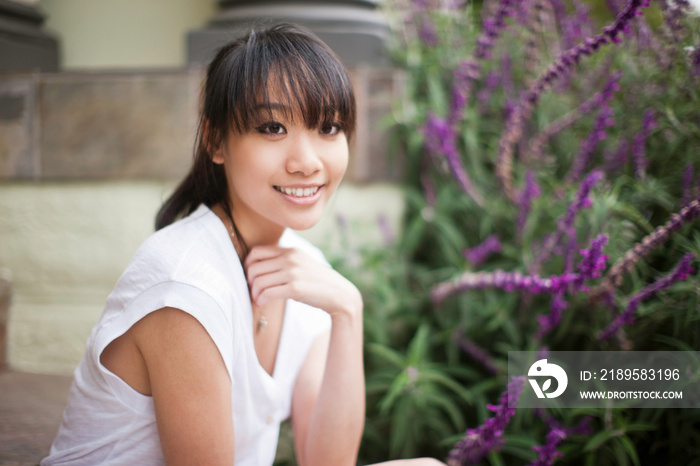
187,298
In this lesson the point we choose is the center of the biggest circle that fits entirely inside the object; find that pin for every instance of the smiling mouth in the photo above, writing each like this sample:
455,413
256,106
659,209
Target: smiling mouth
298,192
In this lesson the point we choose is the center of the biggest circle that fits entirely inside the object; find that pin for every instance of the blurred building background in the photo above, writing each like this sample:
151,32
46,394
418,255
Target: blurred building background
98,110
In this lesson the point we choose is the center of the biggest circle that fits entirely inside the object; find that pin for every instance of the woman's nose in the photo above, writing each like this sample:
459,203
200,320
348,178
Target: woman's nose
303,156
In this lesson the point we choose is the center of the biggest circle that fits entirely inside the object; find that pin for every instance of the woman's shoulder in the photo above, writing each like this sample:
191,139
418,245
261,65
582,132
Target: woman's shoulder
190,251
194,237
183,232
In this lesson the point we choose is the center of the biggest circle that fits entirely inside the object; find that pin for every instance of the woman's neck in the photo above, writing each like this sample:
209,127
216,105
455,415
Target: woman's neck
253,233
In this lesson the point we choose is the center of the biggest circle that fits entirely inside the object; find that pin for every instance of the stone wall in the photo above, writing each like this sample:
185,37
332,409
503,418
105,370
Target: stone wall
77,126
138,125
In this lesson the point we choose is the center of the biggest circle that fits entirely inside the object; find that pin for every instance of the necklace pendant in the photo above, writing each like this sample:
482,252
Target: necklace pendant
262,323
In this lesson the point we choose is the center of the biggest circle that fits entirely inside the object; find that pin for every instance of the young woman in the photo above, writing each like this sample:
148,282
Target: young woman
225,322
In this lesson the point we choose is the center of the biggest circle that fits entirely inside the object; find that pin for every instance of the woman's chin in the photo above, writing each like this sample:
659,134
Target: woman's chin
302,225
302,222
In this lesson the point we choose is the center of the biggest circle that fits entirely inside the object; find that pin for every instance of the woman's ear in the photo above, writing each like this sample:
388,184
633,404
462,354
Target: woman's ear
217,156
216,153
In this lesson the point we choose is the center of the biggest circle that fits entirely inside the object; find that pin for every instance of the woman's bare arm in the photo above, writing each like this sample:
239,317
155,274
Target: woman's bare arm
328,404
191,388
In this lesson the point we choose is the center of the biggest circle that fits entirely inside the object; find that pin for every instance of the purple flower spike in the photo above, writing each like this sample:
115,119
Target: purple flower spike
660,235
469,71
598,100
593,262
591,266
547,453
427,33
581,201
528,194
680,273
479,253
673,12
565,223
465,75
576,27
477,353
550,321
491,83
566,61
615,5
479,442
615,160
508,281
582,428
492,28
639,145
439,140
599,133
570,250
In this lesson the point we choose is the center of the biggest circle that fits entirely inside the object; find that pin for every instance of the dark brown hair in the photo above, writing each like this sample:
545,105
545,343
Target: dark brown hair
303,72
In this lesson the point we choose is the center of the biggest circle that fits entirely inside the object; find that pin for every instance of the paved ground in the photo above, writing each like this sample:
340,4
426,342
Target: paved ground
30,413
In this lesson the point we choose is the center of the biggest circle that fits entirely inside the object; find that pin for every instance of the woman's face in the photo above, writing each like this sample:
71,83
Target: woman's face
282,174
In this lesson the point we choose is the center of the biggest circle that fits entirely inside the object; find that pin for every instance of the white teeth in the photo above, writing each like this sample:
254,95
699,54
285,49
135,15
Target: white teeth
298,192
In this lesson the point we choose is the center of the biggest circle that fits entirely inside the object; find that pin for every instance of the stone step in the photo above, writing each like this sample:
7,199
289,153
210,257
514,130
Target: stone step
31,406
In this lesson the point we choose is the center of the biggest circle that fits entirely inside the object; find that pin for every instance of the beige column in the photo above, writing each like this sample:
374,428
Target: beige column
24,46
354,29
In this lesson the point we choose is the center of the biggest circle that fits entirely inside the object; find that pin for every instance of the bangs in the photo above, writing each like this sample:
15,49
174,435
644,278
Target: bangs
286,71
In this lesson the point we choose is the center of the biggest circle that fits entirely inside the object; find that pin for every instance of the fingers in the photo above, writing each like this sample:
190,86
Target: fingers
286,273
268,269
261,268
259,285
261,253
273,293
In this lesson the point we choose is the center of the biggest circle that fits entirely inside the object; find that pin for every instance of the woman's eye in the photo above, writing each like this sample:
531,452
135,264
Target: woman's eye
330,129
272,128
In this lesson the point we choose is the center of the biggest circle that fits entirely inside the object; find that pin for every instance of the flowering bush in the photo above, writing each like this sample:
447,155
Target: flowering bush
552,193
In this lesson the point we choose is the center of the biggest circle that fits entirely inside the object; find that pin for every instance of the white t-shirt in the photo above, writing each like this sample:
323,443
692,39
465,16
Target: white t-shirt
190,265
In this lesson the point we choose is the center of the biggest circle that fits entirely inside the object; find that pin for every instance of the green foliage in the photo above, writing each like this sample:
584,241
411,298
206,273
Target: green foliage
422,390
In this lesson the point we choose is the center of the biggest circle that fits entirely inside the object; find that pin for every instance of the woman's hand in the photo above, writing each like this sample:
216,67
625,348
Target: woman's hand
328,403
283,273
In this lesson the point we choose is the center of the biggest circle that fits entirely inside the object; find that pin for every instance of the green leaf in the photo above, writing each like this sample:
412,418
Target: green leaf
401,420
674,343
448,406
447,382
387,354
395,392
626,210
600,438
630,449
639,426
620,454
418,348
437,95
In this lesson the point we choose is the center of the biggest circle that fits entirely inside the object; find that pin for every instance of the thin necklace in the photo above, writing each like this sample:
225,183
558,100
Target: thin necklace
262,321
